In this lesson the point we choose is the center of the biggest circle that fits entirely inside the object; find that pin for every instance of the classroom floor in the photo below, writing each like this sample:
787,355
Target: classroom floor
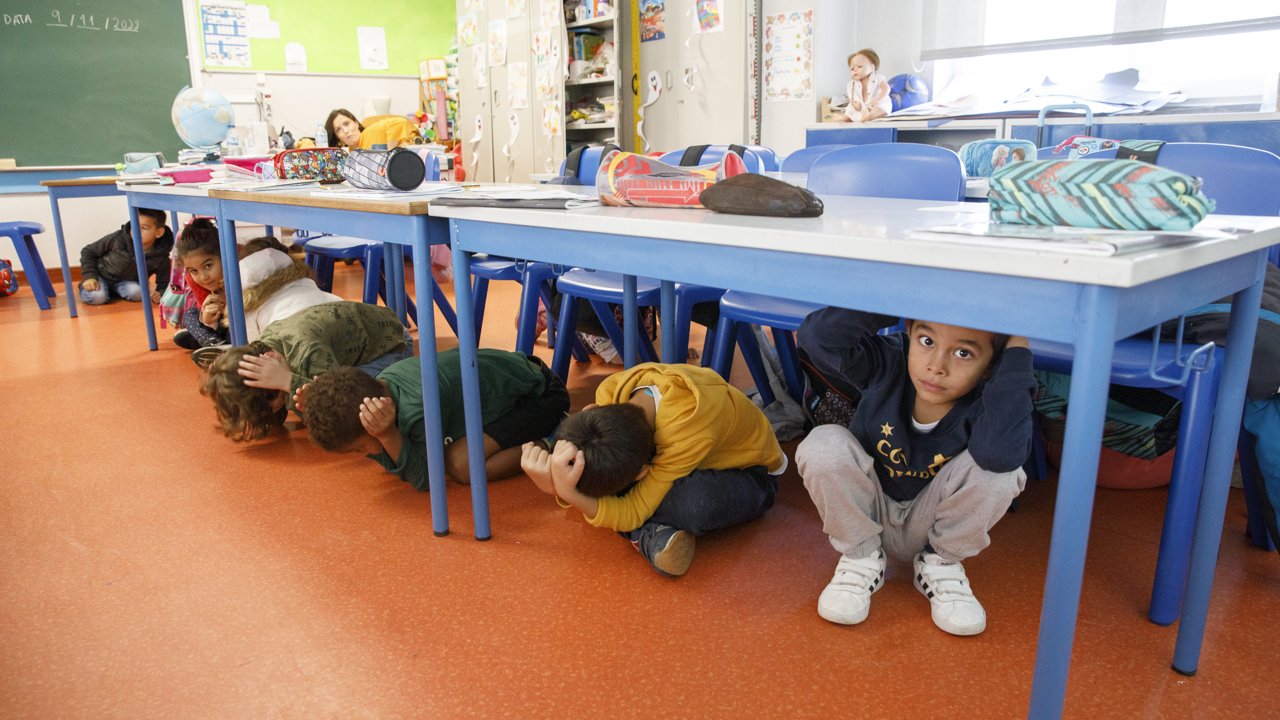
151,568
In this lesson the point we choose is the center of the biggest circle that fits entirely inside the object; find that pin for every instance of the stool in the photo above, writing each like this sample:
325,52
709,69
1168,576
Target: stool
321,252
25,245
599,288
782,317
535,277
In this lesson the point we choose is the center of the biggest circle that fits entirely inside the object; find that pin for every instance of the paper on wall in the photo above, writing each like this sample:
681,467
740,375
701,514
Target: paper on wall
497,43
552,115
480,61
373,47
517,8
468,28
788,56
260,25
295,57
518,85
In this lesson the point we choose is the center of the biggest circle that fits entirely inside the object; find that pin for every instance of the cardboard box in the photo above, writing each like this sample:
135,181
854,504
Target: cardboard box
826,114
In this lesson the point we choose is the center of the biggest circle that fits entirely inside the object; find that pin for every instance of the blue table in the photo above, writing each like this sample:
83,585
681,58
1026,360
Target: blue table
66,189
396,223
858,255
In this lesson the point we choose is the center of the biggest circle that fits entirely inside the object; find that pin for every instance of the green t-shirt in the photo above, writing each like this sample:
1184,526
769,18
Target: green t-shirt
505,378
336,334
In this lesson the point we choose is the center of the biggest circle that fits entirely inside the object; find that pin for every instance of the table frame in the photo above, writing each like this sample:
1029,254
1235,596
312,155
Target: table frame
1085,313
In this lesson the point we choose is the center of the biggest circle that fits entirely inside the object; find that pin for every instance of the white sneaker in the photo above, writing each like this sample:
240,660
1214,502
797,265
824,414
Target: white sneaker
955,609
847,598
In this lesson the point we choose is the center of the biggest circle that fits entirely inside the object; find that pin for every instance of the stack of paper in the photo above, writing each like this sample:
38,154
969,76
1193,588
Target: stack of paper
1056,238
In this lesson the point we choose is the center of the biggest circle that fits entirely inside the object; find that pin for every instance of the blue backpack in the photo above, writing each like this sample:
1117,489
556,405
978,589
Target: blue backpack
8,279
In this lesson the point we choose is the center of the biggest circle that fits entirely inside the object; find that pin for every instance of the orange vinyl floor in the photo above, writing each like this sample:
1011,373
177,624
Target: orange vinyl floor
151,568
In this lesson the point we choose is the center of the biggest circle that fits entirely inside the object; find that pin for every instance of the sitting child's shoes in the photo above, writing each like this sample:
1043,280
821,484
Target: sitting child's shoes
847,598
669,550
205,356
955,609
185,340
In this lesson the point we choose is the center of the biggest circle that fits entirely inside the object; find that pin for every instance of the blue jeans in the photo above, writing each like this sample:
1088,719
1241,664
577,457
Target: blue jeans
706,500
127,289
382,362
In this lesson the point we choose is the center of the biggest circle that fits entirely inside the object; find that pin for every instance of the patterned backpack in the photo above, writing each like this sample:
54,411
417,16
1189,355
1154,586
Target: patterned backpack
8,279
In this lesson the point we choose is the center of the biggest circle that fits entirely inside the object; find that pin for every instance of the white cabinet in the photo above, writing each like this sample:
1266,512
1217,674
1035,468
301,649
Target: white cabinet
504,98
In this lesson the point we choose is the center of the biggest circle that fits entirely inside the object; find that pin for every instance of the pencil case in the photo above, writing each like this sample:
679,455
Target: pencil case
983,157
1114,194
396,169
323,164
629,179
188,174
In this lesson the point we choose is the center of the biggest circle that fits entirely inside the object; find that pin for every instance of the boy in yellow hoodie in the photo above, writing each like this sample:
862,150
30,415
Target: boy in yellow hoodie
666,453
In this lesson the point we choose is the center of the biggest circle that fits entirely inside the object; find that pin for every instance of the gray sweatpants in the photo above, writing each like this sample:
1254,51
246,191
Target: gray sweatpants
952,514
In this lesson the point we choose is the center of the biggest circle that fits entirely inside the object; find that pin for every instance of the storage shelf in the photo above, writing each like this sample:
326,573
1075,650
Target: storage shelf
590,81
591,22
590,126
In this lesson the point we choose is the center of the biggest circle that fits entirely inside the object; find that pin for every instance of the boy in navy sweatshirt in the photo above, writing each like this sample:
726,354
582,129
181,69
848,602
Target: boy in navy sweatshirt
929,463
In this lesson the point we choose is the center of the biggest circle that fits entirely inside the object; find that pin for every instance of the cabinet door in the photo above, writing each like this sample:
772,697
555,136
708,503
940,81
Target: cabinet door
704,78
510,97
475,116
546,96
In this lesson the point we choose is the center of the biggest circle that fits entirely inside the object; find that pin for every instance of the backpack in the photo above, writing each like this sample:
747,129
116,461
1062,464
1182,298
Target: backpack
174,300
8,280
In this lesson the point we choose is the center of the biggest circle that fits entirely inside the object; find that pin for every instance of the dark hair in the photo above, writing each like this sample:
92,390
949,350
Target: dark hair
616,441
157,215
266,242
332,409
869,54
200,235
244,413
328,125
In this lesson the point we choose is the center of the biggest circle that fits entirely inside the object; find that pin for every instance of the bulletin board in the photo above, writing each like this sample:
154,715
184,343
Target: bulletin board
337,37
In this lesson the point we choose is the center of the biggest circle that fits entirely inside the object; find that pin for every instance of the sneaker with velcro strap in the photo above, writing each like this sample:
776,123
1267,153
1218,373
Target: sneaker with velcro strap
954,608
847,598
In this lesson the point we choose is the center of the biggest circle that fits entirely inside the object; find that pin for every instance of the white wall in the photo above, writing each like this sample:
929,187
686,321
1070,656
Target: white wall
782,123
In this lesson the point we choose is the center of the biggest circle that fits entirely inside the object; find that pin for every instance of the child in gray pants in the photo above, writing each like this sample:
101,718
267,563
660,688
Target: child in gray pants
929,463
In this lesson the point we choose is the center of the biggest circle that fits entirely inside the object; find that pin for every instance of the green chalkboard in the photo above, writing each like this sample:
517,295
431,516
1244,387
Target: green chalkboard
254,38
84,81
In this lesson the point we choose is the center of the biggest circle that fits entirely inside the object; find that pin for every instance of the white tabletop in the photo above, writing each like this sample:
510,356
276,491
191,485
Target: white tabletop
875,229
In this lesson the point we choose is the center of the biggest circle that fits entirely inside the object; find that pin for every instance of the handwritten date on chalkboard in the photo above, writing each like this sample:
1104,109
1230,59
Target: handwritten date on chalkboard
83,21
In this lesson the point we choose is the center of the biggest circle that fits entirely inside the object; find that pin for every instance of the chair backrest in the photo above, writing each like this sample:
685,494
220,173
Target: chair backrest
713,153
588,162
890,170
768,158
800,160
1241,180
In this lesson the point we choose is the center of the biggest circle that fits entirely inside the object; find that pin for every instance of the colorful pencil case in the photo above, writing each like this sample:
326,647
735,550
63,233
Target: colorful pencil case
629,179
1115,194
983,157
323,164
397,169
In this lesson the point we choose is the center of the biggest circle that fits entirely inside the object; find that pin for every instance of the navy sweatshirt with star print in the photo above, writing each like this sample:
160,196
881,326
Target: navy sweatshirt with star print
993,421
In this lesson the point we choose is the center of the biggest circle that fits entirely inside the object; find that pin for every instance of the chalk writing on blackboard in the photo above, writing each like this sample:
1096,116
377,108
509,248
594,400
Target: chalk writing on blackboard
85,21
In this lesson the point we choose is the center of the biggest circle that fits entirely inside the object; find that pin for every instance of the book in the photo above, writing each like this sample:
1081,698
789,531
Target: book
1057,238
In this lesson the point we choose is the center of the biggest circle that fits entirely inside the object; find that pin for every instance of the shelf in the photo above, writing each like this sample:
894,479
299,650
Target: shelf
589,126
589,81
592,22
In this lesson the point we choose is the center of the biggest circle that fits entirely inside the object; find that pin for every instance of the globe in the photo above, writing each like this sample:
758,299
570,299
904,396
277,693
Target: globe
202,117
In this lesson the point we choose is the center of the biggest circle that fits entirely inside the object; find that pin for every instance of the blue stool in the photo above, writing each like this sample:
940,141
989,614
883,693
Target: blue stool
782,317
321,252
535,277
25,245
599,288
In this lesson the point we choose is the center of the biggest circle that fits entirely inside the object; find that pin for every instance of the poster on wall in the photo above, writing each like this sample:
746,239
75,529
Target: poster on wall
372,42
788,56
709,19
653,20
517,85
480,61
497,43
468,28
549,13
225,29
552,113
475,6
295,57
545,83
516,8
543,50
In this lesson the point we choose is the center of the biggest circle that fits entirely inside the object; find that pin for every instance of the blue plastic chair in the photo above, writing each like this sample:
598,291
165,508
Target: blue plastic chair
321,253
1243,181
802,159
23,236
604,288
890,170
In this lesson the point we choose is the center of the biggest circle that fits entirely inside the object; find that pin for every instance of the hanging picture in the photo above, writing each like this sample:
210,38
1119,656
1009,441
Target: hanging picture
544,51
468,28
549,13
517,85
474,6
516,8
653,20
788,56
551,117
480,61
709,19
497,43
545,83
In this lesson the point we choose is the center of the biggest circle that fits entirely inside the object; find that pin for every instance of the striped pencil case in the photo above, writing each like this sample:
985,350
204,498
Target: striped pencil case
1116,194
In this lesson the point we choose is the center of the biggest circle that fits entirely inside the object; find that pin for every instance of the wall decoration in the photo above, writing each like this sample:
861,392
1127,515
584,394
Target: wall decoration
497,43
788,56
653,20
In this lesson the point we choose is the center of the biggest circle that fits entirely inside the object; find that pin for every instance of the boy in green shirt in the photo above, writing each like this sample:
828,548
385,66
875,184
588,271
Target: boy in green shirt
521,400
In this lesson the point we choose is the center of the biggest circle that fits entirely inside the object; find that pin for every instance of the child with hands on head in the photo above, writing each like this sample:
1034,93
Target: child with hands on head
667,453
521,401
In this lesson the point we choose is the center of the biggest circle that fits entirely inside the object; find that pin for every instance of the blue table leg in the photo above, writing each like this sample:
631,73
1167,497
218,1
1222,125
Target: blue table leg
393,266
430,378
1213,495
631,320
1090,375
140,260
227,247
54,197
467,353
667,293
